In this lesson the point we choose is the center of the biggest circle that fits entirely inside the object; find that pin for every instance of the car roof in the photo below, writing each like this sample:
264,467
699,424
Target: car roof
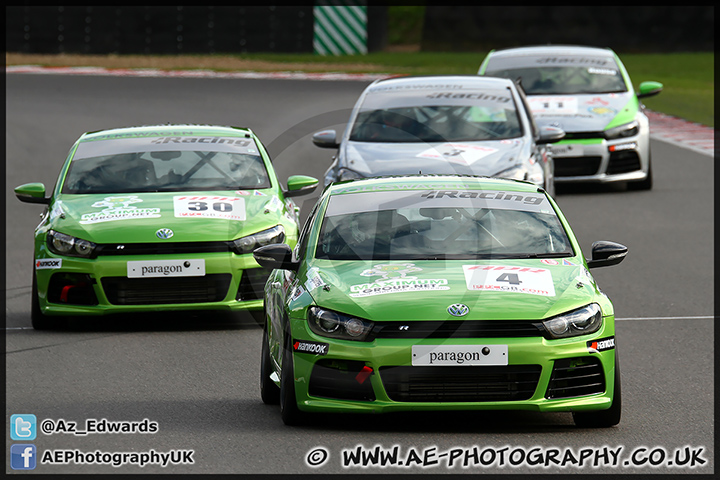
425,181
465,80
178,130
533,50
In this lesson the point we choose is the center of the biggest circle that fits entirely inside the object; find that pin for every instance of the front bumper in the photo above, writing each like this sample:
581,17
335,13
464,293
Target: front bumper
375,377
601,161
101,286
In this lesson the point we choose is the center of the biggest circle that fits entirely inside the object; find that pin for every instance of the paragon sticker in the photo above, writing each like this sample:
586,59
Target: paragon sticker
601,344
118,208
228,208
315,348
506,278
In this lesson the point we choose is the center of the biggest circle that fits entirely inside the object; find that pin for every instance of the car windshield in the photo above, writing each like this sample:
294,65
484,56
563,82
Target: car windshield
100,167
560,75
441,224
436,115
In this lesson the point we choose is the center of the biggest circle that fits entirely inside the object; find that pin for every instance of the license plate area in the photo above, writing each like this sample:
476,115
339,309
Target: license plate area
459,355
567,150
166,268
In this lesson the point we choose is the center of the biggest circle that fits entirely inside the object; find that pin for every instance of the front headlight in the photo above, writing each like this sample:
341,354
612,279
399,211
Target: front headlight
249,243
347,174
578,322
328,323
623,131
518,172
70,246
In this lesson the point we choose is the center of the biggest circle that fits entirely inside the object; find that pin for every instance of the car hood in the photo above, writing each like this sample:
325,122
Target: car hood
423,290
465,158
582,113
200,216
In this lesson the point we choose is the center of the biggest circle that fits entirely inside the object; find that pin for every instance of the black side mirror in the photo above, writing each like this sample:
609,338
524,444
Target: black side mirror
606,253
275,256
325,139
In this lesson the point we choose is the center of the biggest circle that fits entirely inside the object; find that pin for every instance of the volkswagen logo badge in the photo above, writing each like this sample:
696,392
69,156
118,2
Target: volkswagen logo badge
164,233
458,310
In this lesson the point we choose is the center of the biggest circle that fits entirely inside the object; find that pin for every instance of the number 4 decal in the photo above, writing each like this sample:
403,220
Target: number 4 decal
511,278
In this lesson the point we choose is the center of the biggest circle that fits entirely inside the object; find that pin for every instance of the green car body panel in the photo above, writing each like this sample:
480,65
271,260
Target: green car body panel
126,228
403,294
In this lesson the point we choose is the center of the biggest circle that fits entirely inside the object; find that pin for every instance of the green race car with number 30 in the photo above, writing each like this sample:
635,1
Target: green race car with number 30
438,293
158,218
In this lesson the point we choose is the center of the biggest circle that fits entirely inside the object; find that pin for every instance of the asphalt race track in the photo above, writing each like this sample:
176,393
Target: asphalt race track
197,378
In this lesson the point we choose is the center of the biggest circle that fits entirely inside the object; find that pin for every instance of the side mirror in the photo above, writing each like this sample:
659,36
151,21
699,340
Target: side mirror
300,185
550,134
275,256
325,139
648,89
32,193
606,253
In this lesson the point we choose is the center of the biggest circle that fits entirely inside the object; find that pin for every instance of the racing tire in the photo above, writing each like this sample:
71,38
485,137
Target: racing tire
39,320
604,418
289,411
269,392
646,184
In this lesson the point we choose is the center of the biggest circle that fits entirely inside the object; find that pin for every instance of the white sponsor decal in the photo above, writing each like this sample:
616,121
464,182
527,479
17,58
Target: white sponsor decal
46,263
229,208
166,268
398,286
458,153
118,208
452,355
314,281
553,105
505,278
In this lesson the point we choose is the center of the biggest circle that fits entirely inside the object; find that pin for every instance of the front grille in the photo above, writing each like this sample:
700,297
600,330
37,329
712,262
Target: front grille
576,166
575,377
583,135
252,284
457,329
173,290
72,289
460,384
341,379
169,248
623,161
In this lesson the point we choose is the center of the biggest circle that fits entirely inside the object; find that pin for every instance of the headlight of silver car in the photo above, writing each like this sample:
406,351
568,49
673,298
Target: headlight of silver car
249,243
518,172
623,131
582,321
328,323
70,246
347,174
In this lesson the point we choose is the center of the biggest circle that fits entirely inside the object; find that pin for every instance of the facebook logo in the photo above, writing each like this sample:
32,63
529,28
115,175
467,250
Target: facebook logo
23,427
22,457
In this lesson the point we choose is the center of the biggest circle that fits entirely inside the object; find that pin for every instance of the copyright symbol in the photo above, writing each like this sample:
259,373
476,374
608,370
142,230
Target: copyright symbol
47,427
316,457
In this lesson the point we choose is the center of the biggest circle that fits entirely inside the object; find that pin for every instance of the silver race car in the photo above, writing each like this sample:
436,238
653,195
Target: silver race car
442,125
586,92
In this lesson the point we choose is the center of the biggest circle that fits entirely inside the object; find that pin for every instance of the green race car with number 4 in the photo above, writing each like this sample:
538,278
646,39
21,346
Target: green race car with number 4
438,293
158,218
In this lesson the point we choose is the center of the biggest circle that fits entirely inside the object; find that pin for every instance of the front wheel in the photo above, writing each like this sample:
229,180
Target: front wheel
291,414
39,320
269,392
604,418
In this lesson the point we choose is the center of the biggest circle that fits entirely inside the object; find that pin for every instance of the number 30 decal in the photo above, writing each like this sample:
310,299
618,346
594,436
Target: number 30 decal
232,208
